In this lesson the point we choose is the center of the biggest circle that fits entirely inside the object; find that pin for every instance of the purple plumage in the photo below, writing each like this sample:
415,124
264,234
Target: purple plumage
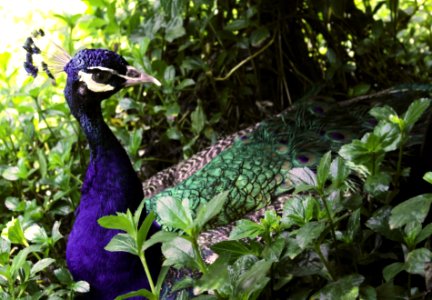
111,184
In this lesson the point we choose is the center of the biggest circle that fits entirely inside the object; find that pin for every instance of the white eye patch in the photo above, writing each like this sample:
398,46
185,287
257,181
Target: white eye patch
91,84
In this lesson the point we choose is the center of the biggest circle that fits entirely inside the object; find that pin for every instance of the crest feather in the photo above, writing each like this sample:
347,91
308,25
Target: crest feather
53,57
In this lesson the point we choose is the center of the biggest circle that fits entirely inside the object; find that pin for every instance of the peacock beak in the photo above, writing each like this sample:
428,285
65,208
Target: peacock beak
135,77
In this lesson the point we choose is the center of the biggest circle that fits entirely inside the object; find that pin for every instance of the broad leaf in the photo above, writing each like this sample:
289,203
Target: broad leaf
14,232
206,211
246,229
424,233
41,265
416,261
159,237
415,110
173,213
122,242
428,177
345,288
143,293
254,280
323,171
390,271
179,253
273,251
309,233
233,249
411,210
144,229
80,286
379,222
121,221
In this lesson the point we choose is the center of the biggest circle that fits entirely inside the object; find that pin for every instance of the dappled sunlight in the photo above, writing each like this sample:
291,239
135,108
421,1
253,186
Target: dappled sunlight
20,17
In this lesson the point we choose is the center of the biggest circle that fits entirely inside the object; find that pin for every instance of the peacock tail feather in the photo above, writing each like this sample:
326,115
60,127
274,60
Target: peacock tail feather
263,163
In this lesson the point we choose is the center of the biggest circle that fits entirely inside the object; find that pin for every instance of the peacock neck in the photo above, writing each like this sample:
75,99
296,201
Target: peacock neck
99,136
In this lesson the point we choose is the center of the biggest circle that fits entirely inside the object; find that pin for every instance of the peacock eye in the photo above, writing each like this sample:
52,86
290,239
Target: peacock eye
101,76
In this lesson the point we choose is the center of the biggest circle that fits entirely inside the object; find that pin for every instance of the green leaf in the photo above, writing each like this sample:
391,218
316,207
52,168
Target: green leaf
361,88
19,261
41,265
5,247
174,213
174,29
80,287
258,36
415,110
206,211
389,291
159,237
338,172
368,293
237,25
412,210
144,229
233,249
424,233
42,162
63,275
378,183
382,113
14,232
185,83
388,138
161,277
36,234
121,222
428,177
416,261
246,229
135,140
254,280
179,253
14,204
122,242
173,133
353,228
11,173
345,288
273,251
323,171
299,211
411,231
55,232
390,271
198,119
379,222
309,233
143,293
216,277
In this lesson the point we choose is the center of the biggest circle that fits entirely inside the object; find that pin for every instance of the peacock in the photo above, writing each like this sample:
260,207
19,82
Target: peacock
111,184
258,165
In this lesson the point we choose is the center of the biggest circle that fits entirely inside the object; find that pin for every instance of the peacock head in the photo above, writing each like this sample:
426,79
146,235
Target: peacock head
92,74
95,74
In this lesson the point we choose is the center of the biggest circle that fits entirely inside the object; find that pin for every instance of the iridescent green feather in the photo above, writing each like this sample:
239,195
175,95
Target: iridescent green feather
256,167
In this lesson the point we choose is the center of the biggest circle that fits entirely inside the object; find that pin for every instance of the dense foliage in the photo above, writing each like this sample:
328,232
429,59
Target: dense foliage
223,65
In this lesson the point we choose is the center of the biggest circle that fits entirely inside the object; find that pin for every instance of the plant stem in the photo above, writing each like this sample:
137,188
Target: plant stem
332,230
245,61
200,261
147,271
399,162
324,260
